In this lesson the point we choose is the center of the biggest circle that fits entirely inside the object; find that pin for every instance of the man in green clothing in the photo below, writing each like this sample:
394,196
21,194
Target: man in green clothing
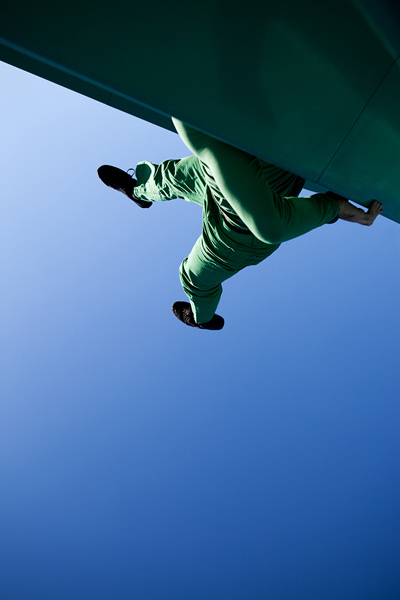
249,208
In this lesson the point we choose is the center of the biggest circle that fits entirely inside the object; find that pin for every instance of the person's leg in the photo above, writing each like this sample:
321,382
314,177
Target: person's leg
201,277
270,217
178,178
214,259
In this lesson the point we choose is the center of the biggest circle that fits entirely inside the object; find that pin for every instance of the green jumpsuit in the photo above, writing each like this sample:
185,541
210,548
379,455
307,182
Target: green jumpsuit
249,208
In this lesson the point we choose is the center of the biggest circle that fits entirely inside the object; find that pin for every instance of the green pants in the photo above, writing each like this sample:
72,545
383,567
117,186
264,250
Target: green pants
249,208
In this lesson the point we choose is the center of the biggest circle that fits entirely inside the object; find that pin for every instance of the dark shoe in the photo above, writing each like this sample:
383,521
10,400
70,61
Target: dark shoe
122,182
184,313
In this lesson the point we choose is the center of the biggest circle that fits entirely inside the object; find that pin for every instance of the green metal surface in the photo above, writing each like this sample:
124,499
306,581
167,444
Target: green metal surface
313,87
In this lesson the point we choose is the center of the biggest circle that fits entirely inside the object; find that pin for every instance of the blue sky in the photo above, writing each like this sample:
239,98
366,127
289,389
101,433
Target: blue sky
144,459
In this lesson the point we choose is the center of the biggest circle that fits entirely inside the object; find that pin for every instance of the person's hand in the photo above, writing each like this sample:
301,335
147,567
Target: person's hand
349,212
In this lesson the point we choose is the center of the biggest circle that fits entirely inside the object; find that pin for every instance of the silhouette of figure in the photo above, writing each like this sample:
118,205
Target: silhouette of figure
249,208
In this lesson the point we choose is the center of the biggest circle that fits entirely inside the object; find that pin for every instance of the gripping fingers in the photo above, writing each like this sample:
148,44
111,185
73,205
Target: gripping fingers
376,207
374,210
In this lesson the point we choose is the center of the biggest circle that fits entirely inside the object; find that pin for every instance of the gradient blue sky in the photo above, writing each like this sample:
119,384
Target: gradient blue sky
142,459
